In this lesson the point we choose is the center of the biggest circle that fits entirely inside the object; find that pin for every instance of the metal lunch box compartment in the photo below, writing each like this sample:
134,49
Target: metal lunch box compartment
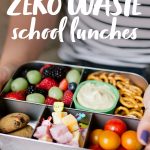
10,106
134,79
22,70
32,110
48,112
101,119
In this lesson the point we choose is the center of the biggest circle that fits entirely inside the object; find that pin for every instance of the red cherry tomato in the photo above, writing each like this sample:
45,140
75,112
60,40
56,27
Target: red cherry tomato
116,125
95,147
129,140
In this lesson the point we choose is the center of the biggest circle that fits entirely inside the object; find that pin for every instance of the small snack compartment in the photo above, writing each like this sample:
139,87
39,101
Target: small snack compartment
123,91
43,83
113,132
64,128
19,118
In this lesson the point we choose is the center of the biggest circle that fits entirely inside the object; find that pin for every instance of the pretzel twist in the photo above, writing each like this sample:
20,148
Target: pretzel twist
136,114
122,111
129,102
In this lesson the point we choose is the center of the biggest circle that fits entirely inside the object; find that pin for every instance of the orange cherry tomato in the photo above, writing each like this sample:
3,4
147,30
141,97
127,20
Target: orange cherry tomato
109,140
129,140
94,136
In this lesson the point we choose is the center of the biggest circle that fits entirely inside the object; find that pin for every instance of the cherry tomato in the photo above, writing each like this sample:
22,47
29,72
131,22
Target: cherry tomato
95,147
63,85
94,136
129,140
109,140
116,125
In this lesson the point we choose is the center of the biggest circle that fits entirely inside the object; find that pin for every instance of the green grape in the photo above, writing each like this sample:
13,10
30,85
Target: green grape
73,76
34,77
19,84
35,98
55,93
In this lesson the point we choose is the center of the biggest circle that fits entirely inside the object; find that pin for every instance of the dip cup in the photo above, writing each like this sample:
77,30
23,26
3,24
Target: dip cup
98,83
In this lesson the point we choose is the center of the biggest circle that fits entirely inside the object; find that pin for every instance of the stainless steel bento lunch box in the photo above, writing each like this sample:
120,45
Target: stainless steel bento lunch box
39,111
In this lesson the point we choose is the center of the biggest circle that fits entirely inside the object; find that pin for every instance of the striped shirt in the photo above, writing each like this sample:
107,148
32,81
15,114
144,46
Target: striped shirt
116,52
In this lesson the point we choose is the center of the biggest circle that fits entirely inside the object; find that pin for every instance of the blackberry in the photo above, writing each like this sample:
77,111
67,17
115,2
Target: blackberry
22,73
56,72
31,89
41,91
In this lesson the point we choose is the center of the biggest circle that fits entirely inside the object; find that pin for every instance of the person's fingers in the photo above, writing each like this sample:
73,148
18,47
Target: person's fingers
147,147
144,128
144,125
146,99
5,73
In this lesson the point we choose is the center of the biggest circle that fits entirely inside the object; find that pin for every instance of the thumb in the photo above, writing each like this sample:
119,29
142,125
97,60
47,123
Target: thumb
144,125
5,73
144,128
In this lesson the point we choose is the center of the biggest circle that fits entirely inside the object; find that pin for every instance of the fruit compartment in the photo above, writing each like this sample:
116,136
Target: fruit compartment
34,111
86,121
134,78
99,120
37,65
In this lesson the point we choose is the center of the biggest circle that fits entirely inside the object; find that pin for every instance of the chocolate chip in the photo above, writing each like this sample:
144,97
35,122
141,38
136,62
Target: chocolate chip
22,120
17,123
